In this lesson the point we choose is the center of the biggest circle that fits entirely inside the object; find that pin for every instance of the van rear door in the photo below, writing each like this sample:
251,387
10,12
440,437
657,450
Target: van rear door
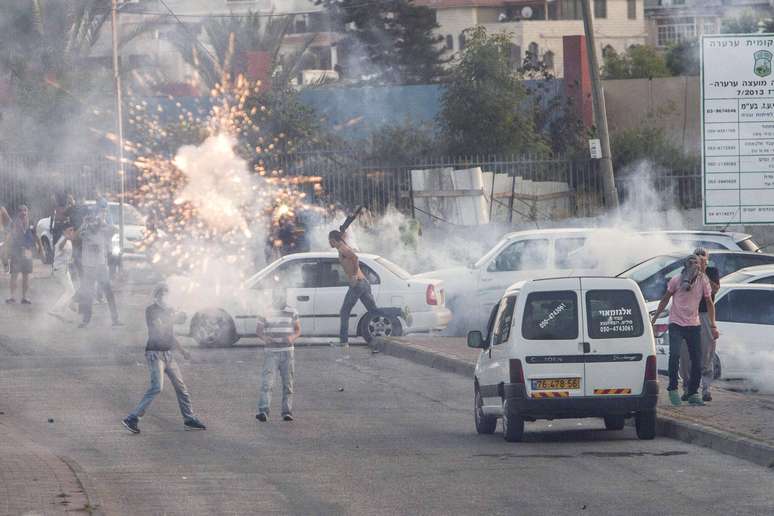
619,339
549,340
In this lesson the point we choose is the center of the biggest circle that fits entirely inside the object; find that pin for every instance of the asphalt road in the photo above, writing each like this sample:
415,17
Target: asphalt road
399,439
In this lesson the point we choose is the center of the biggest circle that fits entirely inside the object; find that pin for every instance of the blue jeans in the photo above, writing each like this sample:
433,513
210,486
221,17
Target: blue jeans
283,361
360,290
160,362
692,337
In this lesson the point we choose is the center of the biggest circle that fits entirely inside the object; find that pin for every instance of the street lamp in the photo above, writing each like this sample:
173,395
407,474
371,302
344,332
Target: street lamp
119,123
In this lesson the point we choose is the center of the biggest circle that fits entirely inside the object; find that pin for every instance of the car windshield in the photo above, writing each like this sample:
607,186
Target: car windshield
488,256
394,268
737,277
648,268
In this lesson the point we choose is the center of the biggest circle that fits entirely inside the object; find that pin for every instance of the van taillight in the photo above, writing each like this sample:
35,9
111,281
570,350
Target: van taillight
651,370
660,329
517,373
430,296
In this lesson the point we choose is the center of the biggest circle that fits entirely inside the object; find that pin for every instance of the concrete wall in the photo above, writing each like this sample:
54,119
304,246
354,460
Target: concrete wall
673,103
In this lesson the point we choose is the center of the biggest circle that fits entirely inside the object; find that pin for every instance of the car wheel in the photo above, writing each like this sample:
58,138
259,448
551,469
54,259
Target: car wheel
48,251
645,423
484,424
374,326
214,329
717,368
513,424
614,422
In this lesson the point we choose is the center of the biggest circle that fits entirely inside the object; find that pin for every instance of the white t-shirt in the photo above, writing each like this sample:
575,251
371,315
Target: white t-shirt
63,257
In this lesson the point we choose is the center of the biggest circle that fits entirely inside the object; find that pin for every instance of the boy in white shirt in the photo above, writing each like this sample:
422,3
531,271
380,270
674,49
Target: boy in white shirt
63,257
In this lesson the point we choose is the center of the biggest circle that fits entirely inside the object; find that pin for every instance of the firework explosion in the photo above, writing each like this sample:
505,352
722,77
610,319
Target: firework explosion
213,202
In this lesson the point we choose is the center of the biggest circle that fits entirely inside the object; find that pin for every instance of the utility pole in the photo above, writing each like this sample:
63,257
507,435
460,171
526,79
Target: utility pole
119,124
600,113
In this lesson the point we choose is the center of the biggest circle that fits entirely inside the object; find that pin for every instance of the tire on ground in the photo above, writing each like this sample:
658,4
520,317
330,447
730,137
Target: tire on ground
614,422
213,328
645,423
513,424
484,424
372,326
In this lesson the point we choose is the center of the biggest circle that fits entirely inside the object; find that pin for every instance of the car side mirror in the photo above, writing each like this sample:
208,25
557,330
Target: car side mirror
475,340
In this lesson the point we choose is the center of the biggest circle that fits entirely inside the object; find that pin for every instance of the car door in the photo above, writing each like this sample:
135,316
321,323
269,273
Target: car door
617,339
494,370
517,261
300,278
333,287
745,318
550,338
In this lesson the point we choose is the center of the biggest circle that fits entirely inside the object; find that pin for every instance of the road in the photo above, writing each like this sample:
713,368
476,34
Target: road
399,439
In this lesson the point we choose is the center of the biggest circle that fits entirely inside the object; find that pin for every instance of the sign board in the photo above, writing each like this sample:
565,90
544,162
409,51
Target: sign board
595,147
737,129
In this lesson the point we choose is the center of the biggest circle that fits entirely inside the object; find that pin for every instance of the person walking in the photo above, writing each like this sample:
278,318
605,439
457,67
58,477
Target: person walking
22,243
63,257
686,291
708,342
279,330
160,318
95,234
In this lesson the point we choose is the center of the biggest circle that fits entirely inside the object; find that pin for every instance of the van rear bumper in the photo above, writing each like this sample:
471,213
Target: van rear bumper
577,407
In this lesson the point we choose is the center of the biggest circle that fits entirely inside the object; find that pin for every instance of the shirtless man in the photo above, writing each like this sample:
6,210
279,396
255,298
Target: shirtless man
359,288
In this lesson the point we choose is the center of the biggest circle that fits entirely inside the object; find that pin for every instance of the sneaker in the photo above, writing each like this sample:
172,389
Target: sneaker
26,301
10,301
706,397
674,398
684,397
287,417
131,424
695,399
194,424
262,417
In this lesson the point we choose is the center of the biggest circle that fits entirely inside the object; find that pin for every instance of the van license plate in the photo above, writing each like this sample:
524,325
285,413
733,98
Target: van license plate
555,383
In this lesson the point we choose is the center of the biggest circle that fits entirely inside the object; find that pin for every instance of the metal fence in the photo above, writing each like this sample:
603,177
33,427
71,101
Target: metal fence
344,178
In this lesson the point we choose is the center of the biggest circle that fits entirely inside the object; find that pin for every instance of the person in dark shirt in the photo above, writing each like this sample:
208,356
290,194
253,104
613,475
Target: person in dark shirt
158,353
708,342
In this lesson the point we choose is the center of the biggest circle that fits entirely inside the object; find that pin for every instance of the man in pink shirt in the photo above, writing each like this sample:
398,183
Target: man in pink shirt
686,292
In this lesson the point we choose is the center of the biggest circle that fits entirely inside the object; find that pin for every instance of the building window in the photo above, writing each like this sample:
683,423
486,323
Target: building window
533,53
449,42
548,60
673,31
631,9
600,8
709,27
570,10
462,41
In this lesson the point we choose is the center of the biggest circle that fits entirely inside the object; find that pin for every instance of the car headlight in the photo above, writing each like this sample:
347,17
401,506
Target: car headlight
115,246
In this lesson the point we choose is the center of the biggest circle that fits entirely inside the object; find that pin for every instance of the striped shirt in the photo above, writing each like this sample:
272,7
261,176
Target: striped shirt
278,326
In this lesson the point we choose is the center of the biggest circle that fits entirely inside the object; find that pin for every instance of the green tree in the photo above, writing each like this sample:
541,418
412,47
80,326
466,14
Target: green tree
747,23
638,62
401,144
388,42
482,107
683,58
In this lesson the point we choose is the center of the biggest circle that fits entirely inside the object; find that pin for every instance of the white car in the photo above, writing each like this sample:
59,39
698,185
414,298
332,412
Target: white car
134,232
316,285
546,253
566,348
745,319
761,274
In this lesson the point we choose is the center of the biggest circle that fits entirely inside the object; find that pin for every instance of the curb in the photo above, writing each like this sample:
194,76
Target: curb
666,426
87,486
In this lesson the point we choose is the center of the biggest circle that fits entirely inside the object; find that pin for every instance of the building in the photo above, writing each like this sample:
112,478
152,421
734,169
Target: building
673,21
537,26
154,51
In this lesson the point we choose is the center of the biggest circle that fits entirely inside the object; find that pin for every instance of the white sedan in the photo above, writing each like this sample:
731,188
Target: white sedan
745,318
316,285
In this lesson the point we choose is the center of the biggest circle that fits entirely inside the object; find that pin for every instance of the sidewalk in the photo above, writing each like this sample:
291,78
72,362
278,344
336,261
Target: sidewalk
734,423
33,481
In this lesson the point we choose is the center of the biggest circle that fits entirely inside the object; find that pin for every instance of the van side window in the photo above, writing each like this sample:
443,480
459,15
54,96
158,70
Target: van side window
551,316
747,306
613,314
504,320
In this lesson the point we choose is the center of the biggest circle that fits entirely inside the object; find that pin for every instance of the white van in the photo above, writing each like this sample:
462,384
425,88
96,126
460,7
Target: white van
567,348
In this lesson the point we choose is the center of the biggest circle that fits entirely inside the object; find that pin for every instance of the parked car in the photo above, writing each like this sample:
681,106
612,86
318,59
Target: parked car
760,274
316,285
653,274
546,253
745,319
566,348
134,232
